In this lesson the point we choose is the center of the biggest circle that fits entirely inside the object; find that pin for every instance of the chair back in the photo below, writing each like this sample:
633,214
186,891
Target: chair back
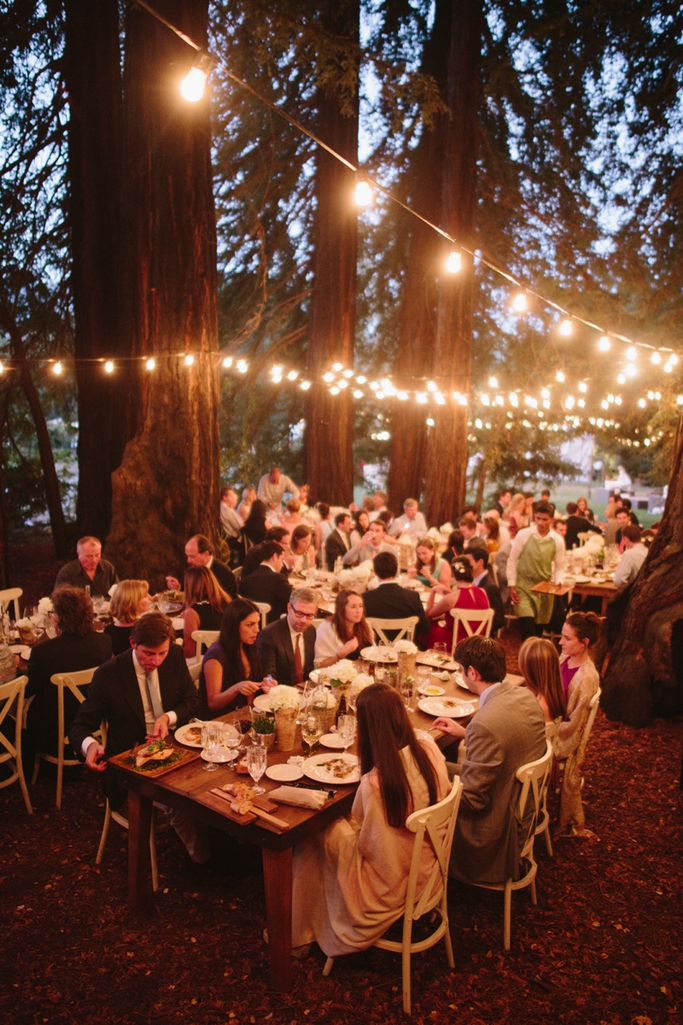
264,609
12,594
534,777
404,628
73,682
580,752
435,826
195,672
237,573
477,623
204,639
12,700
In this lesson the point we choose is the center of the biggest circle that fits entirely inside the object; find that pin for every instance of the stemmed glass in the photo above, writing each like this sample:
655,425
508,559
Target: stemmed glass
257,759
440,652
406,687
211,738
231,738
311,732
346,730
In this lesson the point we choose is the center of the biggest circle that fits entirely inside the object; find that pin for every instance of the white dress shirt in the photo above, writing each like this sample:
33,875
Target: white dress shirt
629,564
271,493
231,521
417,526
518,547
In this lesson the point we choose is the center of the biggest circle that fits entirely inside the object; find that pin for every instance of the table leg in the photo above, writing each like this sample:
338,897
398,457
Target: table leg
139,824
277,876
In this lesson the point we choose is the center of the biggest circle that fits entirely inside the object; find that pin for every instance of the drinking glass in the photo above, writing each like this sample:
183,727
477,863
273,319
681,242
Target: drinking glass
423,675
303,704
311,732
163,604
211,738
406,688
440,651
346,729
257,759
97,603
230,737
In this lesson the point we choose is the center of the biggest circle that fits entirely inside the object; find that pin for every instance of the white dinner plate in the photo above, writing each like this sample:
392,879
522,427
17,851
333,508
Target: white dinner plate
332,740
379,653
450,708
183,732
284,773
262,703
221,755
317,768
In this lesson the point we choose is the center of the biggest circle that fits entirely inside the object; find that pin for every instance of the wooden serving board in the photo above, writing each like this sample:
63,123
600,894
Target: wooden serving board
120,761
261,803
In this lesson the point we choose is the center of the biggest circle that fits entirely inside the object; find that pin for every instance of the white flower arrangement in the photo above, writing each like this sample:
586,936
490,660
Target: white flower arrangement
405,648
356,578
360,683
283,697
45,606
24,624
341,672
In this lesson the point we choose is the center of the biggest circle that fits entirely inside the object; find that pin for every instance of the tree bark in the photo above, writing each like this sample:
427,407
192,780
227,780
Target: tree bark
93,82
655,601
328,440
447,446
166,488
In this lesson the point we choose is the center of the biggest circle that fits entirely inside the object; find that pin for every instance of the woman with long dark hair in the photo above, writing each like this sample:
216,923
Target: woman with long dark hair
205,603
256,524
350,883
540,667
346,634
231,669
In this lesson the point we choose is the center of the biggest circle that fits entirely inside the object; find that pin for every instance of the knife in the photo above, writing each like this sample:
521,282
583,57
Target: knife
311,786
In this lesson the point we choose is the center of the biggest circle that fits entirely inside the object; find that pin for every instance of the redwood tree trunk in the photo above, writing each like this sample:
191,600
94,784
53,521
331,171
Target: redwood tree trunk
93,82
328,441
447,448
166,488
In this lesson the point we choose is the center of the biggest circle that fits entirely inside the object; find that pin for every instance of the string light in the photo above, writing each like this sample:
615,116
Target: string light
334,390
292,375
348,373
656,358
621,379
242,366
493,382
583,386
305,385
667,368
227,362
604,344
337,366
519,303
430,422
193,85
673,359
631,353
362,380
402,395
566,328
57,368
343,384
431,386
109,367
363,192
559,376
631,369
151,363
328,377
189,359
454,261
421,397
2,366
358,394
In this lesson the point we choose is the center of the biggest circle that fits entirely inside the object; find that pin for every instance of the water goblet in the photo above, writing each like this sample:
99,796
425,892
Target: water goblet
440,652
257,759
211,739
311,732
346,730
230,738
423,675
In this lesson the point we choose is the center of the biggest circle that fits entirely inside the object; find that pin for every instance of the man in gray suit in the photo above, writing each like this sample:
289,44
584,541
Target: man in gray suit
507,731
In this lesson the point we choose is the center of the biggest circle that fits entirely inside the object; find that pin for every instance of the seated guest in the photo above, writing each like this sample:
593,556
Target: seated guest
580,682
350,882
506,731
231,669
130,600
302,553
267,584
232,523
369,545
256,524
361,522
479,561
468,528
142,694
291,517
89,569
252,559
560,527
456,545
324,526
412,522
304,506
286,647
339,540
248,498
635,553
576,524
464,596
205,603
582,506
627,504
540,666
391,601
431,568
199,552
77,646
346,634
623,518
379,500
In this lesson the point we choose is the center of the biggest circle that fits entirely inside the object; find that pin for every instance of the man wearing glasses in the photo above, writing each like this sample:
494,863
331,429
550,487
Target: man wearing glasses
286,647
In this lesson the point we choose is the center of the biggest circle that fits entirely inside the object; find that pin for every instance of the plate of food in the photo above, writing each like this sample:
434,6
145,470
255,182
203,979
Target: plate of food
154,759
379,653
450,708
340,769
190,734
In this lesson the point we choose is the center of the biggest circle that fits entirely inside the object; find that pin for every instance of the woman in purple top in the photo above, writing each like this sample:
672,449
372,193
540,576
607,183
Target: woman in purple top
231,669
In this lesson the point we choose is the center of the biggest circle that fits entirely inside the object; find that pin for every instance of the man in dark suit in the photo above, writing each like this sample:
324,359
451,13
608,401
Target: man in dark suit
252,560
267,584
479,561
144,692
287,647
339,541
576,525
506,732
199,552
391,601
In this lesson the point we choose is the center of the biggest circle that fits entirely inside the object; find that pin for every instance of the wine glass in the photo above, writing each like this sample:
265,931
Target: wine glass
311,732
257,759
423,675
406,687
97,603
440,652
304,703
230,738
346,730
211,738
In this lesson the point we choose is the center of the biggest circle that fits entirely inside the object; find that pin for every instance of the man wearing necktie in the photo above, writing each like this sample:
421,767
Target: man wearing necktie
286,647
141,695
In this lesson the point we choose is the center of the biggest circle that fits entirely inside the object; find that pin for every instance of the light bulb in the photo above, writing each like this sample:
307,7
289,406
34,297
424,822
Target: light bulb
641,403
673,359
422,397
559,376
292,375
348,373
363,193
621,379
667,367
545,393
328,377
242,366
485,400
2,366
189,359
358,394
334,390
193,85
631,369
151,363
342,384
439,398
583,386
374,385
109,367
337,366
361,379
603,344
402,395
277,371
656,358
493,382
57,368
454,261
430,422
227,362
305,385
514,401
631,353
566,328
519,303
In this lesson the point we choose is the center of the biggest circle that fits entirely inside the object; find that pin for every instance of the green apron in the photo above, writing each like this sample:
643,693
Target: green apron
535,564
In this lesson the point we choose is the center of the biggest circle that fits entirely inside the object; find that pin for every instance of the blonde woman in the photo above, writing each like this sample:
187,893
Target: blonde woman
514,514
130,601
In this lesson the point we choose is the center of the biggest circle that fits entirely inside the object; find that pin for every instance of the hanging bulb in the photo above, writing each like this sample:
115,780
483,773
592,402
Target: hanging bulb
189,359
519,303
193,85
151,363
227,362
631,369
656,358
363,193
328,377
631,353
242,366
566,328
583,386
292,375
109,367
57,368
559,376
305,385
493,382
604,344
673,359
337,366
454,261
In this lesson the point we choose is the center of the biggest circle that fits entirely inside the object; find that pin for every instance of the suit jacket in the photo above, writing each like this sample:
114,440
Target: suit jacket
391,601
114,696
495,601
266,586
336,547
277,654
252,561
577,525
225,577
506,732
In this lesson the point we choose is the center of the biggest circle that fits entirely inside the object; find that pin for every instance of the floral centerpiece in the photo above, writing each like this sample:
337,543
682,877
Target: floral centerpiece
284,701
361,681
342,673
31,627
357,578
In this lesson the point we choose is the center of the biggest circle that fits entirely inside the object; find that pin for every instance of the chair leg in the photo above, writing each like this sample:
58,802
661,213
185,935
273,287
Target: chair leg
105,834
153,855
22,782
548,841
328,966
449,948
405,958
507,914
533,891
36,770
60,776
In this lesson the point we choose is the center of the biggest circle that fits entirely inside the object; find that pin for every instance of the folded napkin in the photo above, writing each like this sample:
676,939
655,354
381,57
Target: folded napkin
314,799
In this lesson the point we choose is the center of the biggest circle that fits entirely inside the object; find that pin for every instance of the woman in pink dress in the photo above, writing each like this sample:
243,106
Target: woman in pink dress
441,601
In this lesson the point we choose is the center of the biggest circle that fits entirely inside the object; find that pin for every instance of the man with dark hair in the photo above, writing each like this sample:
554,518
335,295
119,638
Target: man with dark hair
371,544
635,553
479,561
89,569
576,525
623,518
252,559
468,529
625,503
503,499
537,554
267,584
391,601
144,692
507,731
199,552
286,648
339,540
